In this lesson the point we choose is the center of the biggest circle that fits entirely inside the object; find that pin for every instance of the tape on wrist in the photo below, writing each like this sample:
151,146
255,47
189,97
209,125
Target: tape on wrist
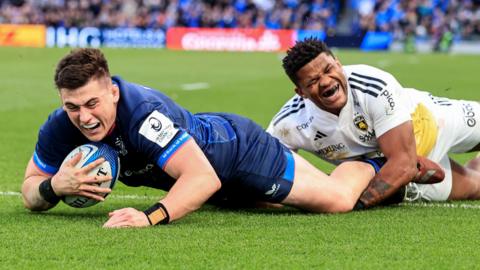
157,214
47,193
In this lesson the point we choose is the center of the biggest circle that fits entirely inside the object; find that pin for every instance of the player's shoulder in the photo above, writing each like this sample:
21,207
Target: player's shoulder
57,121
290,112
138,101
367,73
58,129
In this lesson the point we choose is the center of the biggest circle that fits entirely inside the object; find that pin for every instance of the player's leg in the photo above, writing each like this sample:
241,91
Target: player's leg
466,180
315,191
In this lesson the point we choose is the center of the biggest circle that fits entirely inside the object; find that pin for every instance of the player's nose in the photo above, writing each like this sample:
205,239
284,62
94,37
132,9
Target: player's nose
84,115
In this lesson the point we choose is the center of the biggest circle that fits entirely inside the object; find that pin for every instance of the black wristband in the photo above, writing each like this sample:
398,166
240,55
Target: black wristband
157,214
47,193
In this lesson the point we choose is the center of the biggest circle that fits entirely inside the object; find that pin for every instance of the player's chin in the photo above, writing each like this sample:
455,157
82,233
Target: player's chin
94,137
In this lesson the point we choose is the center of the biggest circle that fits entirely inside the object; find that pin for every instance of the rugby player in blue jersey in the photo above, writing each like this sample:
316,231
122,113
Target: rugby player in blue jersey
215,157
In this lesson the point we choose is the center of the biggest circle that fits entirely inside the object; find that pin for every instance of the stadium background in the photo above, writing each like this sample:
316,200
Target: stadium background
35,34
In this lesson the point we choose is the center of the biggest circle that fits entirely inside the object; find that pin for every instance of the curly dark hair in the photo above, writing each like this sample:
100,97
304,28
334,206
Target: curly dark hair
301,54
79,66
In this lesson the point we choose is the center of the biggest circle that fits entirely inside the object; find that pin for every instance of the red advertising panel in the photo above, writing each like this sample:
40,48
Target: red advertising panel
28,35
210,39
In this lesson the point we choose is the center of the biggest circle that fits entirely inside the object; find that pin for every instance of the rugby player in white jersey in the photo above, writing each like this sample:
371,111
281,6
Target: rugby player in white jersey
358,112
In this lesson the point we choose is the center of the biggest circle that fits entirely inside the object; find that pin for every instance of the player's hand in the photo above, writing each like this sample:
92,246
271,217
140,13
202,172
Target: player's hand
126,217
429,172
75,181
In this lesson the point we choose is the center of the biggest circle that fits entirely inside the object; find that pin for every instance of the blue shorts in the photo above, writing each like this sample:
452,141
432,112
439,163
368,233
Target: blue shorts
251,164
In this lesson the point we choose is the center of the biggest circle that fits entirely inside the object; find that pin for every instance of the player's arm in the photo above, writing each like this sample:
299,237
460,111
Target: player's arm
42,191
398,146
30,189
196,183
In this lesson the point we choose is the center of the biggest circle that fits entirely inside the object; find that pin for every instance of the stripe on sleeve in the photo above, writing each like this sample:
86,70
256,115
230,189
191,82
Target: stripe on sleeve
172,149
42,165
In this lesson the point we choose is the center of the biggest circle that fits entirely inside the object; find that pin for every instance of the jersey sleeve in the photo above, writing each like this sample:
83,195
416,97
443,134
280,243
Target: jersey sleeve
281,132
56,138
386,109
158,134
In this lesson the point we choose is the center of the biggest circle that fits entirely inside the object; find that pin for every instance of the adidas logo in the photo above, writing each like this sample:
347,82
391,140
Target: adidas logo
319,135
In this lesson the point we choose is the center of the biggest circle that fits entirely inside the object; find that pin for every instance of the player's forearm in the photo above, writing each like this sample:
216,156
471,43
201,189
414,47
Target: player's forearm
389,179
32,199
189,193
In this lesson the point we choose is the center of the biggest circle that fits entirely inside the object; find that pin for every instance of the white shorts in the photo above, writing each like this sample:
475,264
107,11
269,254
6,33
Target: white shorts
459,132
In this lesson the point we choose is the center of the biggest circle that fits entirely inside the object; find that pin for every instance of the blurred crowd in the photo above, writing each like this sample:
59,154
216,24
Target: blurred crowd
422,18
286,14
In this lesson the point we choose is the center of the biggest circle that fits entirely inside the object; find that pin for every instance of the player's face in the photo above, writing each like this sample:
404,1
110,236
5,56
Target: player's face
323,82
92,108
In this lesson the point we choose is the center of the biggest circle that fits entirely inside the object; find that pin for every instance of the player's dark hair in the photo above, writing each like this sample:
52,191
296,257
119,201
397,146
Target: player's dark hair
79,66
301,54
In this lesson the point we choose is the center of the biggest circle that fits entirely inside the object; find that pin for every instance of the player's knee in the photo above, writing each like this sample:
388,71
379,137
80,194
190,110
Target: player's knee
343,201
347,204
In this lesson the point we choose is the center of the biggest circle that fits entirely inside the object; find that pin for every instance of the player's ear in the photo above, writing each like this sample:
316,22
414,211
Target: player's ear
299,92
115,92
337,61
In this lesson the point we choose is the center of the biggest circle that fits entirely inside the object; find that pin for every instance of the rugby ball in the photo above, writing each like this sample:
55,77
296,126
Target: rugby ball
111,167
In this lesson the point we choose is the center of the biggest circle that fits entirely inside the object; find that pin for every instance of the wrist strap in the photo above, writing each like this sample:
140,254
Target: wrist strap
157,214
47,193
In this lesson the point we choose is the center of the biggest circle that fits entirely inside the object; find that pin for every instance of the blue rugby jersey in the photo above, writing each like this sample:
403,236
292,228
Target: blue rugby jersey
150,128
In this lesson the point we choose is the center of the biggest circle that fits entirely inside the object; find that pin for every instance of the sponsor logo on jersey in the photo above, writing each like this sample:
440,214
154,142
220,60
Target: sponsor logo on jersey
319,135
306,124
388,96
120,145
469,114
145,170
155,123
369,136
333,148
158,129
360,122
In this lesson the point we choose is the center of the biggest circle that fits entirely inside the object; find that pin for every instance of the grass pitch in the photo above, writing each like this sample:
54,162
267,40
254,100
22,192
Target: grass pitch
431,236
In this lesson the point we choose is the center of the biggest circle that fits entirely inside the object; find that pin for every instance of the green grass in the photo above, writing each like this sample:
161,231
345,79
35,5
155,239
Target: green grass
252,84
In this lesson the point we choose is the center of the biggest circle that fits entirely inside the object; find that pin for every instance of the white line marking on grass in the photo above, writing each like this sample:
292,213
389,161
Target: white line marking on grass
10,193
195,86
143,197
443,205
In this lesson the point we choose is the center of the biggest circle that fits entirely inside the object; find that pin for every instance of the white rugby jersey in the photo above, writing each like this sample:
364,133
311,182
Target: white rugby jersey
376,103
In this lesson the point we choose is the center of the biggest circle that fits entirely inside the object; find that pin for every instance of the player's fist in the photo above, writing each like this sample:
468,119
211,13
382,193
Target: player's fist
429,172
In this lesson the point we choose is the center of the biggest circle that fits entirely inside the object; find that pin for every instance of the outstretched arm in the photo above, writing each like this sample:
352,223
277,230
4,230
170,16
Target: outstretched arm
398,146
196,183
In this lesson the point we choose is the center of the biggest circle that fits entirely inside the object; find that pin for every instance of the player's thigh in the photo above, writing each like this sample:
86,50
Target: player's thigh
315,191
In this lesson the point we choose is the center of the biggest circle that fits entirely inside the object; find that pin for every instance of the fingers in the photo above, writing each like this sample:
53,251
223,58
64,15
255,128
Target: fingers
75,159
92,165
126,217
90,195
96,179
94,189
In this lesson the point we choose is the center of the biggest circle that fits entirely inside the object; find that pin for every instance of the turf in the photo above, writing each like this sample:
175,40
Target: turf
434,236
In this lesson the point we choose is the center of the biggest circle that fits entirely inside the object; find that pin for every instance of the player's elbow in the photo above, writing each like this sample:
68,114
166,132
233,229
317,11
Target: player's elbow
30,203
34,207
